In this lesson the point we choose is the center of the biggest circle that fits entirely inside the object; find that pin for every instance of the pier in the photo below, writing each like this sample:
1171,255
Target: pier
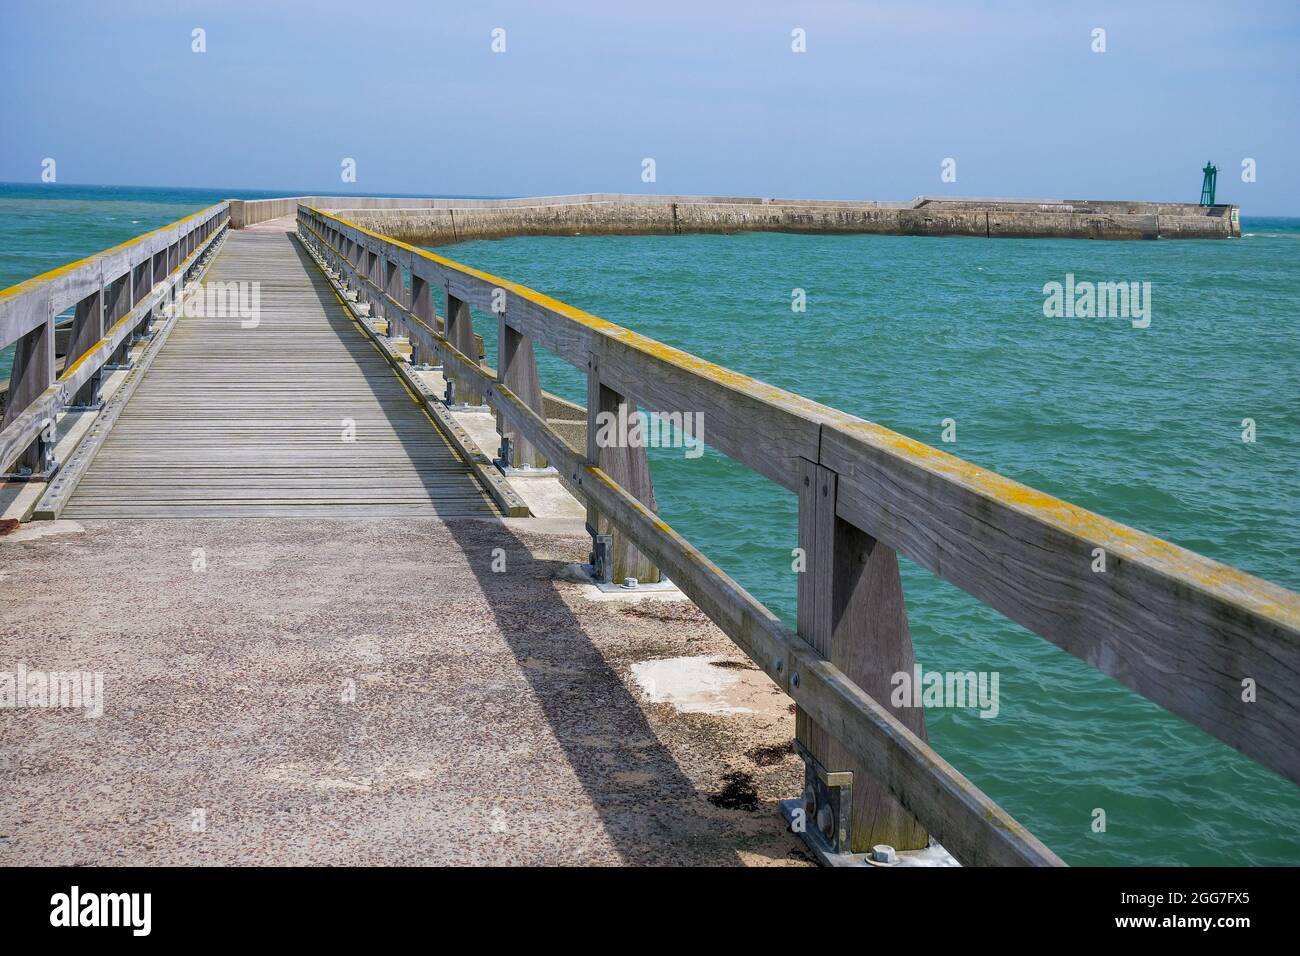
250,523
428,222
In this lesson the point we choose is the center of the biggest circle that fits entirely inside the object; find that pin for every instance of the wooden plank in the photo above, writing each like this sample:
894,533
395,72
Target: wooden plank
68,284
754,423
1026,554
851,610
517,370
253,419
969,825
624,464
24,428
1178,628
460,333
87,330
393,290
422,308
33,373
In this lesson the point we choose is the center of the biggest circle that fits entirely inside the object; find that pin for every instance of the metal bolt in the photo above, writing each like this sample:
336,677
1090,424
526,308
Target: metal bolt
809,800
826,821
630,583
883,853
794,679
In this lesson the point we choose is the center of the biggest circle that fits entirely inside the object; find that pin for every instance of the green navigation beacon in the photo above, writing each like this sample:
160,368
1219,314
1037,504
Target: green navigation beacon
1207,185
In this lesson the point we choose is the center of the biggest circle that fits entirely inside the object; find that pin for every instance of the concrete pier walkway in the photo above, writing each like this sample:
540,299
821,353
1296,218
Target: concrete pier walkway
369,691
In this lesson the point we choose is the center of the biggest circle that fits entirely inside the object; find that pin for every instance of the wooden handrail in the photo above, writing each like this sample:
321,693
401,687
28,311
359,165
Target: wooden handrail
114,292
1184,631
963,818
68,284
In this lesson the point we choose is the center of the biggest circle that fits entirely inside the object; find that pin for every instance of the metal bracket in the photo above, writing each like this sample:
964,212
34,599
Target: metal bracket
49,465
822,817
602,558
827,801
525,471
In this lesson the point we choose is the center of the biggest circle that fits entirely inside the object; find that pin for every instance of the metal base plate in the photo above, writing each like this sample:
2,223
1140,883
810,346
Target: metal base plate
792,811
613,587
31,475
512,472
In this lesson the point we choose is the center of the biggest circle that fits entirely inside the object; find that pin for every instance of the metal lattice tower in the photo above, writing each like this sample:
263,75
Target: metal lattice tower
1208,183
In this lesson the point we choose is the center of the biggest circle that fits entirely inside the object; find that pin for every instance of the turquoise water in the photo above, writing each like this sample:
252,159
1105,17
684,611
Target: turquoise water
1143,426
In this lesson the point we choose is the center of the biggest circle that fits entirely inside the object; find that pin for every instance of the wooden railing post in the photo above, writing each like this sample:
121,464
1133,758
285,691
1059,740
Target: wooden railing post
851,609
118,304
32,374
87,329
392,280
345,276
460,333
362,274
517,371
159,276
422,308
141,285
614,556
374,272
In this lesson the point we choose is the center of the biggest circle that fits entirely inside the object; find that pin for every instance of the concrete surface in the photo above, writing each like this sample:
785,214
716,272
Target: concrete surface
434,221
495,718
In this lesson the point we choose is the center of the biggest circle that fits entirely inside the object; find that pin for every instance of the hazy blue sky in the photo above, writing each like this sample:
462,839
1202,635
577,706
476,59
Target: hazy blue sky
710,90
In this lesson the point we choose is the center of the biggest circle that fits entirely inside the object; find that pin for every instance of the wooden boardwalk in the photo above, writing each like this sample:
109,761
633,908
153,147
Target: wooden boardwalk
235,421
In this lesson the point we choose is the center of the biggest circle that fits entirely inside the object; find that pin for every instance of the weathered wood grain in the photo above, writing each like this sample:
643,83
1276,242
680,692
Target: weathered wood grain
66,285
33,373
970,825
87,330
1180,629
851,610
517,370
628,467
460,333
296,414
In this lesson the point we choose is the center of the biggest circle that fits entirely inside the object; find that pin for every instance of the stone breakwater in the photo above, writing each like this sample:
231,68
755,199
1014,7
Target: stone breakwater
436,221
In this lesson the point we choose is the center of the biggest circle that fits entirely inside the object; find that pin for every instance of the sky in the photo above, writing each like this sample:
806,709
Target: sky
713,92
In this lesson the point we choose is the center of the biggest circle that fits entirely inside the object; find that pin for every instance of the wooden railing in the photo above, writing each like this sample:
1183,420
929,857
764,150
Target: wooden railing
114,294
1186,632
